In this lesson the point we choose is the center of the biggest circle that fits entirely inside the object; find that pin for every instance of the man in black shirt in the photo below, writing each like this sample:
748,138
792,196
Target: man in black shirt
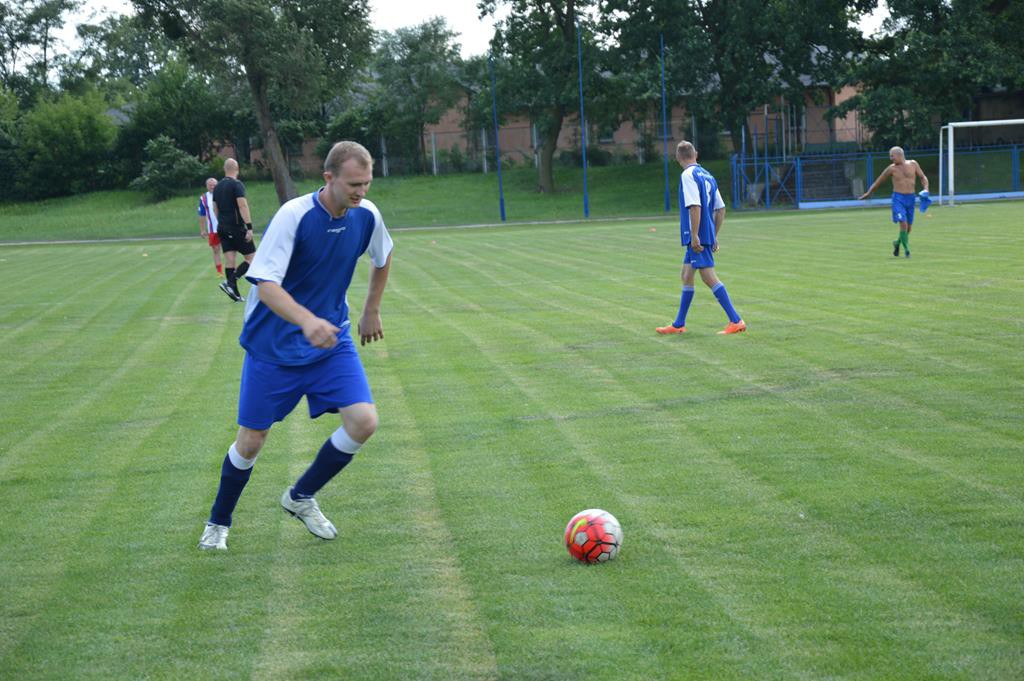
234,227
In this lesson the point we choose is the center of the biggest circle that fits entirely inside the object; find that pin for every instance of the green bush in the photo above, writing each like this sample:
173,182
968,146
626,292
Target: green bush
167,169
9,165
66,147
596,156
215,167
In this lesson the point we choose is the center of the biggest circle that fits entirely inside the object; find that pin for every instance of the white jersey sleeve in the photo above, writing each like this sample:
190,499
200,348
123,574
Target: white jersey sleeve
719,203
212,214
691,193
275,250
380,243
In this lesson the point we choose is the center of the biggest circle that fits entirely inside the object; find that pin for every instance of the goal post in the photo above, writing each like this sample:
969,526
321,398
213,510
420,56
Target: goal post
948,171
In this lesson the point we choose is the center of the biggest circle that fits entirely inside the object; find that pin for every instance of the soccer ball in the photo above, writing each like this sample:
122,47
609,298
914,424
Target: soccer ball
593,536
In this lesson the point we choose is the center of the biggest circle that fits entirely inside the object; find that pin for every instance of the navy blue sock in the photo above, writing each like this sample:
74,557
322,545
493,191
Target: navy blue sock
723,299
684,307
328,463
232,482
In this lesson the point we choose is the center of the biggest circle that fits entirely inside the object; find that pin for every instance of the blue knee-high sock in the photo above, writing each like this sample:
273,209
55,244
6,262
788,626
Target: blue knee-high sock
328,463
684,307
232,482
723,299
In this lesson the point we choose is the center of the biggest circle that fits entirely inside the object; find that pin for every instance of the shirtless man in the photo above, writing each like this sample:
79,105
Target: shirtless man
904,173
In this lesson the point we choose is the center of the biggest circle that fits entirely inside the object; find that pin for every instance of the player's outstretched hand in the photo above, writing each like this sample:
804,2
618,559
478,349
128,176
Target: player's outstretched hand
320,333
370,328
862,197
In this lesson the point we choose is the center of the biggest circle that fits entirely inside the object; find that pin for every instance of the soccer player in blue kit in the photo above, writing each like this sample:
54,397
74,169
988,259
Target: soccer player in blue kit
296,336
701,214
904,173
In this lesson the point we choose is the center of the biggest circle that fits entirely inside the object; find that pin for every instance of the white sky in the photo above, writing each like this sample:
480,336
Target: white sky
388,15
385,15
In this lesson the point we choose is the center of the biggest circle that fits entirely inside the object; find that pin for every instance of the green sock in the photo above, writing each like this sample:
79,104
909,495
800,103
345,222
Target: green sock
905,240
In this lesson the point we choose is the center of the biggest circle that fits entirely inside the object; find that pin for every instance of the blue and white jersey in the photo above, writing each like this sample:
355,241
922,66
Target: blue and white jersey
312,256
206,210
697,187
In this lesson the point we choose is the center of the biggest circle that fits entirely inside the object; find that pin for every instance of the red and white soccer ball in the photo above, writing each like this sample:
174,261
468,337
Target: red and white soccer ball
593,536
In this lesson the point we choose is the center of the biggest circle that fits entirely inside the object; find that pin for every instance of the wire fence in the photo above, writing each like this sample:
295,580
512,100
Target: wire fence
821,180
444,151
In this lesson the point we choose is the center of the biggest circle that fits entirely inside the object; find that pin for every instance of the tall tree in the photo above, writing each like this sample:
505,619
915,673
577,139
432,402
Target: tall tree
43,19
416,75
537,39
27,42
294,52
179,103
120,53
931,61
729,56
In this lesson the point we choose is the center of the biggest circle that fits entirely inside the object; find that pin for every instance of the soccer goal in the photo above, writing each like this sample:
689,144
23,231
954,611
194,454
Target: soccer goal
988,164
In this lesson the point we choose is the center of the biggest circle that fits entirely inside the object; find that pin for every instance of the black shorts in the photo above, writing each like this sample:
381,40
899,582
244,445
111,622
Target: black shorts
234,240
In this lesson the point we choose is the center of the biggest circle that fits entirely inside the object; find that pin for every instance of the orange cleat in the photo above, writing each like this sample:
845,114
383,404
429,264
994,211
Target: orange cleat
734,328
664,330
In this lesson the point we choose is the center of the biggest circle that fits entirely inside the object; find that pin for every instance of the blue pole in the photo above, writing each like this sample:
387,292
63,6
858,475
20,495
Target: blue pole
735,181
799,182
497,145
1015,163
664,123
583,123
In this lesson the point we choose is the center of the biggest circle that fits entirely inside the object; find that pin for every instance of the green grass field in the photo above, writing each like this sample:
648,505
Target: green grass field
836,494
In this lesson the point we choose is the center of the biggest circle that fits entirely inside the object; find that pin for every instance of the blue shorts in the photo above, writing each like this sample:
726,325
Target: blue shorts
903,208
699,260
269,392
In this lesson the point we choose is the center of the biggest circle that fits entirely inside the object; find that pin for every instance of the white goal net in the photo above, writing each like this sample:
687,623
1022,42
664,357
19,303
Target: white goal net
980,160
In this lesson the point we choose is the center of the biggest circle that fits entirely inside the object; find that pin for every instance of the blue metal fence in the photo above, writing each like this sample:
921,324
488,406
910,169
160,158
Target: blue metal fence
836,180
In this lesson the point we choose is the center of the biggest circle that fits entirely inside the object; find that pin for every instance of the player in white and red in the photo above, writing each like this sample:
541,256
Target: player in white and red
208,223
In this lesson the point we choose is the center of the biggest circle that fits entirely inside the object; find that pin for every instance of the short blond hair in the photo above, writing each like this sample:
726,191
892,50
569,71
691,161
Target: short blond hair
686,150
344,151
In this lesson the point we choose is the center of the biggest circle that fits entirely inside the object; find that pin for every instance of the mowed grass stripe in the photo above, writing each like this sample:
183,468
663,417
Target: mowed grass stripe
61,292
837,325
22,268
491,261
411,620
749,255
99,439
627,398
67,339
919,410
893,304
149,523
104,357
756,643
1008,483
783,516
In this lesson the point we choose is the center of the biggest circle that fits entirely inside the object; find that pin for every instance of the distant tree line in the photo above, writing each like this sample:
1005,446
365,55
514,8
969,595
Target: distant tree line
144,99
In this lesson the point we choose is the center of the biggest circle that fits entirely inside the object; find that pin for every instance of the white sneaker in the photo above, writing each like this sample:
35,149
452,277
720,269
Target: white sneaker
308,511
214,537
